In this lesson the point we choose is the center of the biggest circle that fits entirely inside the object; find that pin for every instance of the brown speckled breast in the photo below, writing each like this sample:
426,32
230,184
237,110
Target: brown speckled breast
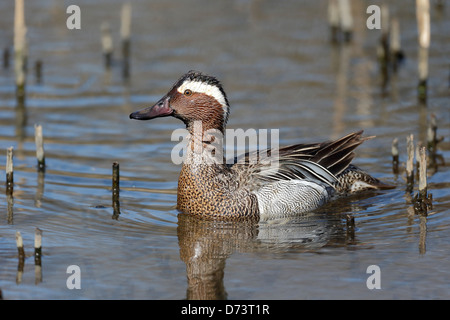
210,191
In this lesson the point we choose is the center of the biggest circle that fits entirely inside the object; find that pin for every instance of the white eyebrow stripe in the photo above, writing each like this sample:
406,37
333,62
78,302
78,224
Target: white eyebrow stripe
210,90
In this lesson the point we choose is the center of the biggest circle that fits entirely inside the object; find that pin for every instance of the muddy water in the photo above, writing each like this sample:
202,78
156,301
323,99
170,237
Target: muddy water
280,72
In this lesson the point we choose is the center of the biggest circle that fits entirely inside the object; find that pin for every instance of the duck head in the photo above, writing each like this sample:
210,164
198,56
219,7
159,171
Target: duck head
194,97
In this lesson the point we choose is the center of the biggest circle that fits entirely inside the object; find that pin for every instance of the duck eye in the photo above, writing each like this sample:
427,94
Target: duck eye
187,92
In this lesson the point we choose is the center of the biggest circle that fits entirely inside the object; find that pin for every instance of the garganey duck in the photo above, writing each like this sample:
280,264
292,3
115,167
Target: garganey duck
306,175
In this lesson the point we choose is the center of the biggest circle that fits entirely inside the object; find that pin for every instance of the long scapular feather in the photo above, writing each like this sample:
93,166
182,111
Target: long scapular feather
300,170
318,162
315,171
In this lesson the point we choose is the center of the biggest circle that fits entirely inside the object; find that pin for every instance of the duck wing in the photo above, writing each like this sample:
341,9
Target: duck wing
317,162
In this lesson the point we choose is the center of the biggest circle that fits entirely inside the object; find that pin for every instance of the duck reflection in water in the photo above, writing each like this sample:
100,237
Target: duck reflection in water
206,244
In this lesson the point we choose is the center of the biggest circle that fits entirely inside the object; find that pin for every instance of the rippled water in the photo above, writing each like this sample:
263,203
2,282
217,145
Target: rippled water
280,71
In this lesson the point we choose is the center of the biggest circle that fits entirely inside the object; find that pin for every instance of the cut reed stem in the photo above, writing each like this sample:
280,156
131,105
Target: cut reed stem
37,246
397,54
422,173
333,20
19,243
423,24
431,134
115,189
20,50
383,47
9,209
395,153
37,256
107,43
410,163
125,32
39,141
9,171
346,19
423,200
115,180
21,251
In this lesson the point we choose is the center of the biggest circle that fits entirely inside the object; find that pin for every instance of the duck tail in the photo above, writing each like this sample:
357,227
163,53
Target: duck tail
353,180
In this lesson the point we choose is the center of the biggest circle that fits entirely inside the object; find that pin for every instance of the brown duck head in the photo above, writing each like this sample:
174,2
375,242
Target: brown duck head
194,97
